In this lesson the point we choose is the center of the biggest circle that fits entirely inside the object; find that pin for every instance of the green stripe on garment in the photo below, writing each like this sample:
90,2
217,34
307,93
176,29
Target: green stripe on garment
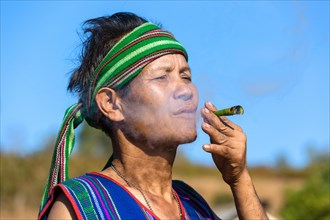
123,62
79,190
71,120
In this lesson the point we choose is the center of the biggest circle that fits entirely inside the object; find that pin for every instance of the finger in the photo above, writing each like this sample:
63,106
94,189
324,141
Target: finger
229,123
210,106
209,117
217,149
223,119
216,122
226,152
215,136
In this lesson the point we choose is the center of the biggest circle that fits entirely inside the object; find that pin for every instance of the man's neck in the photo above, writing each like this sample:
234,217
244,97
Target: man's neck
150,171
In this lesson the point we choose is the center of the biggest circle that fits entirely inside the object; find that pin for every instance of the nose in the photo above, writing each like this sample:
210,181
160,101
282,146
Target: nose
184,91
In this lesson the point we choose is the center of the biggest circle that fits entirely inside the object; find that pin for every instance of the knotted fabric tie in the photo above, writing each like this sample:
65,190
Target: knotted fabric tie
121,64
63,148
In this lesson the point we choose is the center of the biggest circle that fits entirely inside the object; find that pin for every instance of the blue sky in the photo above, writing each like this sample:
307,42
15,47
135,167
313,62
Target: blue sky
272,57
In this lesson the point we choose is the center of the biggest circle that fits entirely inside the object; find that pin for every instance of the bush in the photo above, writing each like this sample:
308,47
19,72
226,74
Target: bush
312,200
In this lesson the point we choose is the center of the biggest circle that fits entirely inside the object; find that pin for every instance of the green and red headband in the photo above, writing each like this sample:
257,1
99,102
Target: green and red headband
122,63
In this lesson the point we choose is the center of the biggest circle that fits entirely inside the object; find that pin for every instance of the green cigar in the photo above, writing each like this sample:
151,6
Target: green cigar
235,110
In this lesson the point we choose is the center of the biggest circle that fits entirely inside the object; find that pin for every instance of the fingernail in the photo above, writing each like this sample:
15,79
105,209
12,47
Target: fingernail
206,147
206,125
206,110
209,104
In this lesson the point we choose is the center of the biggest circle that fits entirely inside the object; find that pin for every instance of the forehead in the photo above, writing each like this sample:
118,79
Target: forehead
167,62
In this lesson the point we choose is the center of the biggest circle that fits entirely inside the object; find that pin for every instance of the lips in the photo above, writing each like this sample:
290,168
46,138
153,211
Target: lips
186,110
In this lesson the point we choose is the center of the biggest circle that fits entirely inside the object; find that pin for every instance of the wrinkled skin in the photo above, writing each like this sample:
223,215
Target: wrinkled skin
228,144
158,114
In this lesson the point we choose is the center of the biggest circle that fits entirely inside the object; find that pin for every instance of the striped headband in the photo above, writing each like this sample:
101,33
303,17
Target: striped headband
121,64
130,55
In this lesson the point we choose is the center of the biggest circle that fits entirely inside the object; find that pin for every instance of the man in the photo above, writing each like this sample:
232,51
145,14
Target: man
135,84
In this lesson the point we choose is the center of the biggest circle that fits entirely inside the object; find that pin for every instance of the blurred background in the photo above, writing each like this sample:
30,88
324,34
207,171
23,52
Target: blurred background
272,57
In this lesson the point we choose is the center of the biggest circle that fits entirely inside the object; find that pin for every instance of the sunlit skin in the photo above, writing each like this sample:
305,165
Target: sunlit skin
228,150
160,110
149,124
158,115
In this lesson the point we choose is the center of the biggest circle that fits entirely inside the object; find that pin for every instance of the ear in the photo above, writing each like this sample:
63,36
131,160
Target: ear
109,104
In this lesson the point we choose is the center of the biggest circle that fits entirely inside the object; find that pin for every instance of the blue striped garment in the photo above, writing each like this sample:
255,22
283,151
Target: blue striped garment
96,196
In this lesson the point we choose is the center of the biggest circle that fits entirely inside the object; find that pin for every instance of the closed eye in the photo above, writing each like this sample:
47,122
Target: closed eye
188,78
160,77
185,73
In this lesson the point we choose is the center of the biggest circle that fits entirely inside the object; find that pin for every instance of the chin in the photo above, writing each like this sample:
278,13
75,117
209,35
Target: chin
194,137
187,137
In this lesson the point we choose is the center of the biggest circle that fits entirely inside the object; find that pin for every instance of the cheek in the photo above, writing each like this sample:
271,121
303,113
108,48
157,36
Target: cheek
195,92
156,103
144,115
146,95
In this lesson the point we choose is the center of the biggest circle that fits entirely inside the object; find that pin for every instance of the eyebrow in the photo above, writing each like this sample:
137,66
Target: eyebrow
184,69
169,68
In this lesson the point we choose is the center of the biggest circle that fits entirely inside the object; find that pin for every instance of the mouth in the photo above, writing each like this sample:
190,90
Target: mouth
187,110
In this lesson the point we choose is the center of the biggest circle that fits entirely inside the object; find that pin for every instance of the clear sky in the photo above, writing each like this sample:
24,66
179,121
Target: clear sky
272,57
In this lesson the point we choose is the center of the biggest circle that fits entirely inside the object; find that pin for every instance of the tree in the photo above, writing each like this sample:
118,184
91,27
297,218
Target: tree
312,201
93,142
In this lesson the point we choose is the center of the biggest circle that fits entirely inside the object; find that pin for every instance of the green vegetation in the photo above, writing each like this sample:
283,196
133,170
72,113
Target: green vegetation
220,199
312,200
23,178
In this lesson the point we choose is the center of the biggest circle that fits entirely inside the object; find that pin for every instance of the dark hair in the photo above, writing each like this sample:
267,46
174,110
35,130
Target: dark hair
102,34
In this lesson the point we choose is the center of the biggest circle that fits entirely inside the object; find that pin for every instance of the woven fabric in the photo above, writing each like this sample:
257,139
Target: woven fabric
122,63
94,196
194,203
59,167
131,54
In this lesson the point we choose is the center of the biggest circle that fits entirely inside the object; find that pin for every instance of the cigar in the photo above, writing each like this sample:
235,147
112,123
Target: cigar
235,110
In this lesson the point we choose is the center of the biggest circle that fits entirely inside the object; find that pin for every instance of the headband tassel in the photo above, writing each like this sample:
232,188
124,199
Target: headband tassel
122,63
59,167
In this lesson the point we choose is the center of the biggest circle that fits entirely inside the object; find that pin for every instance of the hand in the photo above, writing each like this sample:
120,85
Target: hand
228,144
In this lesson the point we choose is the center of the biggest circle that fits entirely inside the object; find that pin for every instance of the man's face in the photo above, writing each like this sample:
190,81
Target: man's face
161,106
